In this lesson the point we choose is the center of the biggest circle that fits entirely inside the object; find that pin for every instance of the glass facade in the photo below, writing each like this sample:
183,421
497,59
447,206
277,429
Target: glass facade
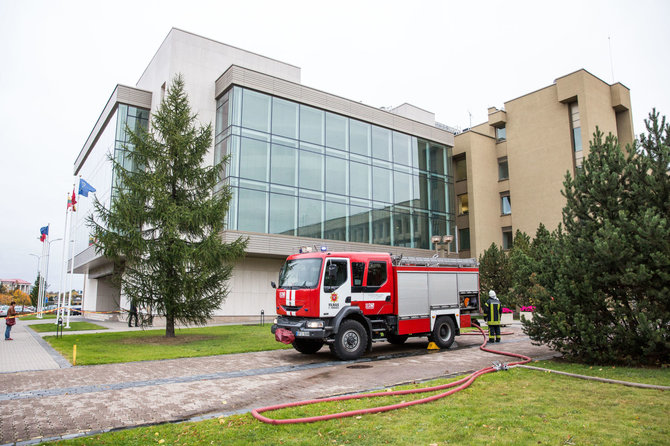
301,171
97,170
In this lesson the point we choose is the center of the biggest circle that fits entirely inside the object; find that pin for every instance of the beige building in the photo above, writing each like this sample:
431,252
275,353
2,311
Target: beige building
509,171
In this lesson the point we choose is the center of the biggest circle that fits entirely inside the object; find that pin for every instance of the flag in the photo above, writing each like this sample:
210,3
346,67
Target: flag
72,201
45,232
85,188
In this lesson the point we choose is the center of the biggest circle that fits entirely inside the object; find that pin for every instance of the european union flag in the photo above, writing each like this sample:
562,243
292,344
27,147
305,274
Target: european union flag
85,188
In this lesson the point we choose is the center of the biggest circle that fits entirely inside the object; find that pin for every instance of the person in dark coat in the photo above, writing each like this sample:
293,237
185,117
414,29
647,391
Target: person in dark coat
493,314
10,321
133,313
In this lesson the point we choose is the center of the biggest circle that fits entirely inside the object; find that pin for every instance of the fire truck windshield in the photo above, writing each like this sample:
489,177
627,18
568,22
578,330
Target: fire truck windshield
300,273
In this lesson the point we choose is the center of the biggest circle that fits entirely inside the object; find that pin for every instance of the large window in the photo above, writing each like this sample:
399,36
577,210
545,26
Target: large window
576,128
460,169
503,169
505,203
507,238
464,239
463,206
297,170
501,134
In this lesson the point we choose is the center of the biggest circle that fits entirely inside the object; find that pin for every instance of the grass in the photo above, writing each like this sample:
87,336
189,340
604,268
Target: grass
106,348
74,326
506,408
35,318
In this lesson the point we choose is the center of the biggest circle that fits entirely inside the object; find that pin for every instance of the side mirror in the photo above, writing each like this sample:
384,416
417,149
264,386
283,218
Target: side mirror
273,285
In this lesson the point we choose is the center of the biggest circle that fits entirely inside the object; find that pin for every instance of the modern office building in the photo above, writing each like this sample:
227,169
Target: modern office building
509,171
306,167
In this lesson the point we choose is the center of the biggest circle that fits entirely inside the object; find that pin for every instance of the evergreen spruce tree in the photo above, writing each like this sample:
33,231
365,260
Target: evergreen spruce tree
521,265
494,273
34,293
606,278
163,227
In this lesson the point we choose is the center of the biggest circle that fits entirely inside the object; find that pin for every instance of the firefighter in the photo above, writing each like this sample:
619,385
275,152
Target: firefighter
493,313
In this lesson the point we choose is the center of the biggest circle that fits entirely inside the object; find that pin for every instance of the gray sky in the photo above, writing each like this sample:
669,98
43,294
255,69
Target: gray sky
60,61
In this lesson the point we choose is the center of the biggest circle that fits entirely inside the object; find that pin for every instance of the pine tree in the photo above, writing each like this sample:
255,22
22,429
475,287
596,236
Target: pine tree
494,273
163,227
607,276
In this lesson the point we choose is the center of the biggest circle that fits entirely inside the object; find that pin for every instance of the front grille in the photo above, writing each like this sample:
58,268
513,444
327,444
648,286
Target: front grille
291,308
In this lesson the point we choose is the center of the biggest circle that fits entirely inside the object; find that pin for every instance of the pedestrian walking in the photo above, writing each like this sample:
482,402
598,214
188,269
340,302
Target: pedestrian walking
133,313
493,314
10,321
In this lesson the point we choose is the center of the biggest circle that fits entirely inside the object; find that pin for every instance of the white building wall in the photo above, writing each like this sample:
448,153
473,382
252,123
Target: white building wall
250,290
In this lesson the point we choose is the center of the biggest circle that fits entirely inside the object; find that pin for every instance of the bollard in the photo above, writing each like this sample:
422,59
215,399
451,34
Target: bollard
74,354
59,327
262,318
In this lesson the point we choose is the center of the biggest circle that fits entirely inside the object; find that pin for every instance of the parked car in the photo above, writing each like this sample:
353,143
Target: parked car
3,310
75,309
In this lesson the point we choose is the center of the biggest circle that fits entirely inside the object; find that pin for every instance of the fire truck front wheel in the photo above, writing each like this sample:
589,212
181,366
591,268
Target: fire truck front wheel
444,332
307,346
351,340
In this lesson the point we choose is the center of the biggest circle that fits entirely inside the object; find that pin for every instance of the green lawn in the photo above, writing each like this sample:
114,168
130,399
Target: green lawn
505,408
74,326
35,318
105,348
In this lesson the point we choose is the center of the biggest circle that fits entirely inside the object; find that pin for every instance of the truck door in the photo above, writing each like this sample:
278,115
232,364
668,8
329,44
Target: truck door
336,288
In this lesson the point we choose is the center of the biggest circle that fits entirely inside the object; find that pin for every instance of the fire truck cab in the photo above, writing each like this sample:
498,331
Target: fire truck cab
350,299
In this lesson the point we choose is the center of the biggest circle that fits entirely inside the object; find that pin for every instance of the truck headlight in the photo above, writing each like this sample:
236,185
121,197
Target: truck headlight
315,324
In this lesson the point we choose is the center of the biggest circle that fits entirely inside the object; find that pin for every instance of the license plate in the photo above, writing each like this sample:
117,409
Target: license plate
302,333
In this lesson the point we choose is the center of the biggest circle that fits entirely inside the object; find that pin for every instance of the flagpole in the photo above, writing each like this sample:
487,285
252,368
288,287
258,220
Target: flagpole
73,233
41,285
63,267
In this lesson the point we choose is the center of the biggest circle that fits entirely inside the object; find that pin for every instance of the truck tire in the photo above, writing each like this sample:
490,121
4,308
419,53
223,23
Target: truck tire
396,339
307,346
444,332
351,340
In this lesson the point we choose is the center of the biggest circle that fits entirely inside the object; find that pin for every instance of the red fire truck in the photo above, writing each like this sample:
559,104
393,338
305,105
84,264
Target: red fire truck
349,300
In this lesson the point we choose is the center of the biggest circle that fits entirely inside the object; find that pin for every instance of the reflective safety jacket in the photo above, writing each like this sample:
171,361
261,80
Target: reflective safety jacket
492,311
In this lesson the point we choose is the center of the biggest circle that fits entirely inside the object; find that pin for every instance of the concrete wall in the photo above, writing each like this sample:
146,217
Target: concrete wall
101,295
539,152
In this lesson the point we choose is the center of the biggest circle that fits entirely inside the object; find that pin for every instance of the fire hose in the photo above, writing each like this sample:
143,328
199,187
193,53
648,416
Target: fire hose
453,386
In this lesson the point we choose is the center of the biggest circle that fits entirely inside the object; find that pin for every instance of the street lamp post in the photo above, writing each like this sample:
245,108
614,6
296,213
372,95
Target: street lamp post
46,276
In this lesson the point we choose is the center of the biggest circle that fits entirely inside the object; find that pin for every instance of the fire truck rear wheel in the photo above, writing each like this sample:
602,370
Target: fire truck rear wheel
307,346
444,332
350,341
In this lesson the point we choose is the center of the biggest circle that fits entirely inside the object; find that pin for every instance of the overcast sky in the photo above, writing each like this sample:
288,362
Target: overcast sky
60,62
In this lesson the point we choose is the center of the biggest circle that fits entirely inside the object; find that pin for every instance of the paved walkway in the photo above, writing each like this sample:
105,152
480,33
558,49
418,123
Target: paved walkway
48,404
26,352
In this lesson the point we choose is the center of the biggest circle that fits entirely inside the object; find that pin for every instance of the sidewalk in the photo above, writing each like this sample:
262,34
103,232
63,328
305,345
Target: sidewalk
27,352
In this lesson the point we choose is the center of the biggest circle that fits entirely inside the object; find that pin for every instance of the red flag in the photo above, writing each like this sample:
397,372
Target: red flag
71,202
